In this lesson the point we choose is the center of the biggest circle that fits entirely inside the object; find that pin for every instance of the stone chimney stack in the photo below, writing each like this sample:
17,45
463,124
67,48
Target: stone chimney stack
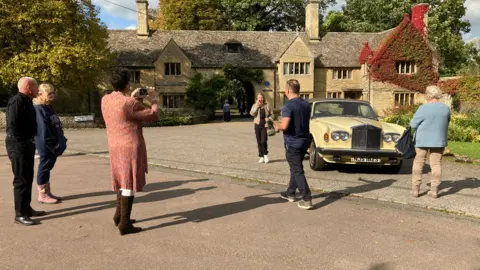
142,12
312,20
420,18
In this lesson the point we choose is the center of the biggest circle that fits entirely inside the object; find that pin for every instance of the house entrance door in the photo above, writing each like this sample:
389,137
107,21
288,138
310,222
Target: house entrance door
357,95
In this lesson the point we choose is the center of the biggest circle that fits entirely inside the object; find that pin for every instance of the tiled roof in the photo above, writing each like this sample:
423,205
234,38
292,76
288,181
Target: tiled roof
260,49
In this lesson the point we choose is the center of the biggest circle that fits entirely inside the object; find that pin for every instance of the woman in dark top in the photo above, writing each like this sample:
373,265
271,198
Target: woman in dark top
261,112
49,141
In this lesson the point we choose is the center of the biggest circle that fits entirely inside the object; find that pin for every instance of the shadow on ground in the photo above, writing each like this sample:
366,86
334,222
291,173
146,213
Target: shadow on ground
216,211
156,193
367,187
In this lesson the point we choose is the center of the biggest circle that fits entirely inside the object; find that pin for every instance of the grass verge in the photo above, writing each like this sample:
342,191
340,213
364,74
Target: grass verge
466,149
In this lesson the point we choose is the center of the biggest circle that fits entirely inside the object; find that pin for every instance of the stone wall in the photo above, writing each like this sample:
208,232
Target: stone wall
2,119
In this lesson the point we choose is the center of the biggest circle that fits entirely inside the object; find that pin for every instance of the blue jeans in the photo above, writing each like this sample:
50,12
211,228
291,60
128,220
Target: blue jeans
44,167
295,158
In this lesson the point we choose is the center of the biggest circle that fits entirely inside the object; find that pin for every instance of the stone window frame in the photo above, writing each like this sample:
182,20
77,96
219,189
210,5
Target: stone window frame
402,98
308,94
177,69
177,104
136,76
335,94
296,68
342,74
234,47
405,67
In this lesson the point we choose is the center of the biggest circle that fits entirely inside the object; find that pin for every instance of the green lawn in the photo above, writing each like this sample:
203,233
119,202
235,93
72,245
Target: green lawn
463,148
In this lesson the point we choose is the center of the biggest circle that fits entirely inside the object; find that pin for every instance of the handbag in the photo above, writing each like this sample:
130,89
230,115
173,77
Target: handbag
271,128
406,144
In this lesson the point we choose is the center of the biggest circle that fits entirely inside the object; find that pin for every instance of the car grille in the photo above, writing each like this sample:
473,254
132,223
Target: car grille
366,137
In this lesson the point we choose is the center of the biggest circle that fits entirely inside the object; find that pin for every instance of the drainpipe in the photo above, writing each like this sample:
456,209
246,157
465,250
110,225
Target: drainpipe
275,88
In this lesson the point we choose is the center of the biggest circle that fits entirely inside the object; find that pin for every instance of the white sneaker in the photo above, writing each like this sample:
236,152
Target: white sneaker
265,159
261,160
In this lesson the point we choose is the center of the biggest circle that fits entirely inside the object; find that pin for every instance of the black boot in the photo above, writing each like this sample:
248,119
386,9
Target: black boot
116,217
125,226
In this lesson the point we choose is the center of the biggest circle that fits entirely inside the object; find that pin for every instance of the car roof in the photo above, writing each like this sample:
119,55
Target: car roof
314,100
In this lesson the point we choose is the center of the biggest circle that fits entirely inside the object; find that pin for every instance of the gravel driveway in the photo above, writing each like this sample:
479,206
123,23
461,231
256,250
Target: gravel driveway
230,149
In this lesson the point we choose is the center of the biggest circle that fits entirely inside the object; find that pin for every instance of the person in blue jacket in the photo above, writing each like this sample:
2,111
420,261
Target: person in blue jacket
49,141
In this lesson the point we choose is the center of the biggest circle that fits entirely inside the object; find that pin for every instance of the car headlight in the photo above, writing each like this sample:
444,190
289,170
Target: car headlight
391,137
337,135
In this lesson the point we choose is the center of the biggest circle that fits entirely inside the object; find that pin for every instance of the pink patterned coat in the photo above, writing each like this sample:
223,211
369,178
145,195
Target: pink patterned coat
128,154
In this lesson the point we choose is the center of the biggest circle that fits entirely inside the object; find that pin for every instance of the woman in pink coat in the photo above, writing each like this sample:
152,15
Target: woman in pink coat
123,117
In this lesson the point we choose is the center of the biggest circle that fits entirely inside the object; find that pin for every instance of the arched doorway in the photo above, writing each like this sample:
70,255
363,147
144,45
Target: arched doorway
250,95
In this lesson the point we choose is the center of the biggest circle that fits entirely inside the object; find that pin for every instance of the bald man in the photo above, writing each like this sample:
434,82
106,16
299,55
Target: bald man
21,130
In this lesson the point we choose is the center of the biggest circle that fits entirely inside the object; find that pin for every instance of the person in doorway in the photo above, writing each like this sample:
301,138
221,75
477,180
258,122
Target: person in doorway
21,130
50,141
123,117
241,109
261,112
431,122
296,132
226,111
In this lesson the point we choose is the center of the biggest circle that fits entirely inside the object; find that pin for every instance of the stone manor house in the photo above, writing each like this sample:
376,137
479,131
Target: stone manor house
336,65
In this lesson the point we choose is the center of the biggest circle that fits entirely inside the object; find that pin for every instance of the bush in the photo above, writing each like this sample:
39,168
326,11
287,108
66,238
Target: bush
171,121
463,128
458,133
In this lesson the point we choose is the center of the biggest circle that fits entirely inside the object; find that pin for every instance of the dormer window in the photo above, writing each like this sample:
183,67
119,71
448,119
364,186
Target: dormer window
233,46
405,67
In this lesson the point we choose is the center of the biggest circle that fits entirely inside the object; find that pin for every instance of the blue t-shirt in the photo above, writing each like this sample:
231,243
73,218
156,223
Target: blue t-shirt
297,135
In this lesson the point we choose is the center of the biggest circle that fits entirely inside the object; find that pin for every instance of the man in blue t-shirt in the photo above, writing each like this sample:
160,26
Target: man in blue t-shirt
296,133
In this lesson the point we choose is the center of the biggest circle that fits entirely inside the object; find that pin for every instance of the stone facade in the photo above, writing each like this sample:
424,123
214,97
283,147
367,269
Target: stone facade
326,67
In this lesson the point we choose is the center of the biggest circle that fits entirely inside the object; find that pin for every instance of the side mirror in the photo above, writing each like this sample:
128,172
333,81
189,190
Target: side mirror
398,122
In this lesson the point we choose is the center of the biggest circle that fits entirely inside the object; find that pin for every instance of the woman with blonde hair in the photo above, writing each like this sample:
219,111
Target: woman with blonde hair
261,112
431,122
49,141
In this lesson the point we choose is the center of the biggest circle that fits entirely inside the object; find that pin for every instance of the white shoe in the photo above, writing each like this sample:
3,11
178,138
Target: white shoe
262,160
265,159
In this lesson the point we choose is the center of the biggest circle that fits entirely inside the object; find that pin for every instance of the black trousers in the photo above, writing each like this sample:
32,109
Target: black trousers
295,158
227,117
21,155
262,139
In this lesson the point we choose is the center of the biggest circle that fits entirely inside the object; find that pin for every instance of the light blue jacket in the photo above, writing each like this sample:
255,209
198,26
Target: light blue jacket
431,122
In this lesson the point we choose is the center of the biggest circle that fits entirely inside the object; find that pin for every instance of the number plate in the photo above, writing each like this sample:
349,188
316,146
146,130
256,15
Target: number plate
366,159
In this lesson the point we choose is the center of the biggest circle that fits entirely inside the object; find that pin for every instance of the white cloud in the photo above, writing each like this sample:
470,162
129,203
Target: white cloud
473,15
131,27
122,8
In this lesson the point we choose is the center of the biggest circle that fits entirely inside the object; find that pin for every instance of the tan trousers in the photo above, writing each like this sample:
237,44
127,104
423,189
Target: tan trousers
435,155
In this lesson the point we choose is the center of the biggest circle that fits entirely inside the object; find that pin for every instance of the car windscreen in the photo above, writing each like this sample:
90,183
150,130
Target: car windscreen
338,108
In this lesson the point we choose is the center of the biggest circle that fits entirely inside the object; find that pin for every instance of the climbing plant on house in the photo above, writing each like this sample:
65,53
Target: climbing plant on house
405,43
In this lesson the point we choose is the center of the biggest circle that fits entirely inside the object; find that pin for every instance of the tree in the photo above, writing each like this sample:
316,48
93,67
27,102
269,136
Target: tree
445,22
191,15
60,42
240,15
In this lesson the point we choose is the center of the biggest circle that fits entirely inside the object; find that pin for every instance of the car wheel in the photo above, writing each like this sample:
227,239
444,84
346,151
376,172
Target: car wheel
316,162
393,169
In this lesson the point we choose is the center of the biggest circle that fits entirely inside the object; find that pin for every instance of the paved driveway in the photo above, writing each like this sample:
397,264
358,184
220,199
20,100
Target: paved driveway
230,149
198,221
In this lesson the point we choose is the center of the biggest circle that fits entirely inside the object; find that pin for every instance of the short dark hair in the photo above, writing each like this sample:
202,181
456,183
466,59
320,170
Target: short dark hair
294,86
120,79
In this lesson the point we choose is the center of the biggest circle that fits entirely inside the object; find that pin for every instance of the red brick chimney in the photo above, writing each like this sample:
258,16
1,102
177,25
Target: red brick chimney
420,18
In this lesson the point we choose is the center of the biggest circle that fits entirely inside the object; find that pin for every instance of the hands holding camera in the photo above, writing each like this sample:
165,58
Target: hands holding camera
150,94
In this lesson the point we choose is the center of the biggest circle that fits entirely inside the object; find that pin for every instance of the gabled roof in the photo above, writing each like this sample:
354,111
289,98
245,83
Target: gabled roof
260,49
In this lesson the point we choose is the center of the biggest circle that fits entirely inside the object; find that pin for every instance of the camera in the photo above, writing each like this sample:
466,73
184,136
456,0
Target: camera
143,92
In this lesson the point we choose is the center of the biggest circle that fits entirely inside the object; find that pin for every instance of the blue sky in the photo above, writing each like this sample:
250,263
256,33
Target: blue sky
116,17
